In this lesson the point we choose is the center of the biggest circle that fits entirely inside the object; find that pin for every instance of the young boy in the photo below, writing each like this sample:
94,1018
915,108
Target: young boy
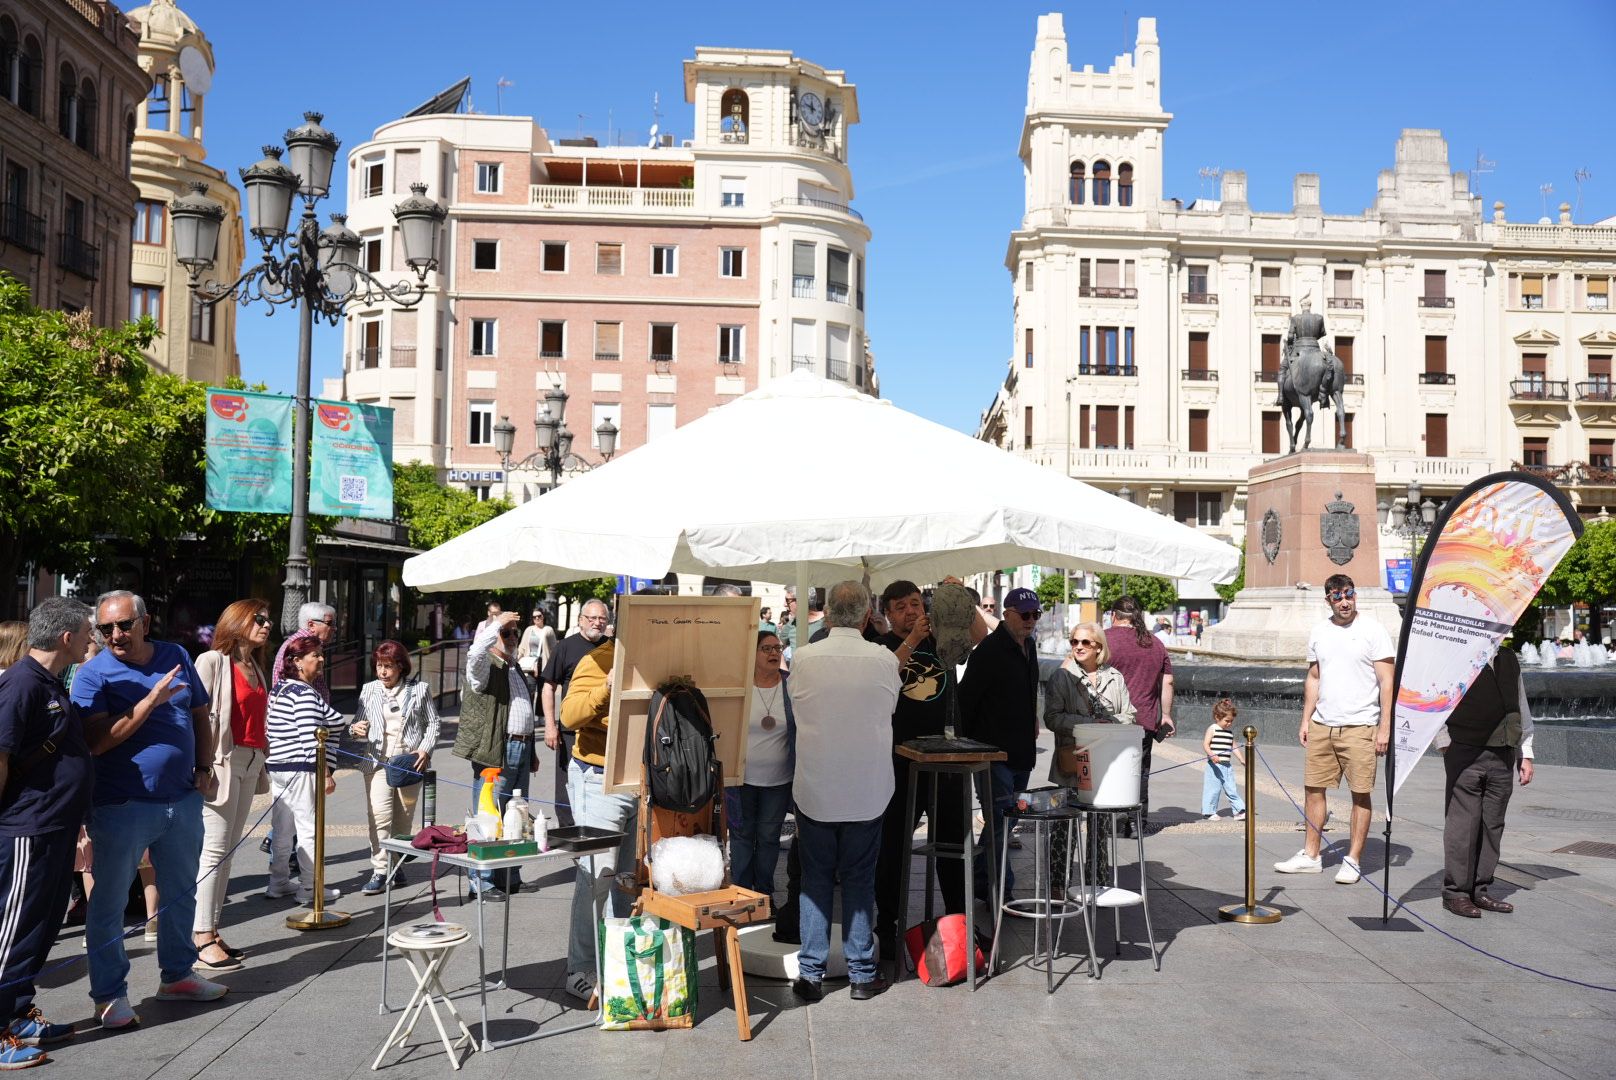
1218,746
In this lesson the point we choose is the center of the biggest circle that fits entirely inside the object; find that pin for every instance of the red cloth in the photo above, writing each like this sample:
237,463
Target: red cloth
1142,668
248,715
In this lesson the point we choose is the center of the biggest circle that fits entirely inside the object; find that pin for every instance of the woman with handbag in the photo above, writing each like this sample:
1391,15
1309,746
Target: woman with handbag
764,798
1085,689
397,717
239,697
297,712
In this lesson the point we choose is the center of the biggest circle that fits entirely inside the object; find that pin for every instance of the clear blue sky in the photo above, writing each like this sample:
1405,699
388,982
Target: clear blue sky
1274,89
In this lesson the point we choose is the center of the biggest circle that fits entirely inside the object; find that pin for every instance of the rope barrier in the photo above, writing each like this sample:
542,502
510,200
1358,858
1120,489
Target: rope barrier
1396,903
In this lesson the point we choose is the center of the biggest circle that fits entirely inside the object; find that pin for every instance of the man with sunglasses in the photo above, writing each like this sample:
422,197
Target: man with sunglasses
314,619
1346,722
146,720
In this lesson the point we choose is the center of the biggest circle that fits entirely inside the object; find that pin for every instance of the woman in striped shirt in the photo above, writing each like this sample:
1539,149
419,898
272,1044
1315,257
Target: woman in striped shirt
1218,746
296,712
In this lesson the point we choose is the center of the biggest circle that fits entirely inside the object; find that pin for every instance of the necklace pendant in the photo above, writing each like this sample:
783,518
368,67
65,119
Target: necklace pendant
768,722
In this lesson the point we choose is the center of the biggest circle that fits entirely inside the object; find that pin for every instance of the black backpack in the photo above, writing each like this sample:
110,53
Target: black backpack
681,764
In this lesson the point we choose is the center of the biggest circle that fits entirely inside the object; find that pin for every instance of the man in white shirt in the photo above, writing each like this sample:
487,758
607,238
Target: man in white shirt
1346,722
843,692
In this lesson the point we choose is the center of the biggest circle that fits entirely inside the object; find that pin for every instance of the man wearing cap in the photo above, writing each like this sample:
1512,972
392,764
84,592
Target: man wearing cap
998,699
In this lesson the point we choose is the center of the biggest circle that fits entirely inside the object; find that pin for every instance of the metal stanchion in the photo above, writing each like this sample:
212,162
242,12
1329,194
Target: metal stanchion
318,918
1250,911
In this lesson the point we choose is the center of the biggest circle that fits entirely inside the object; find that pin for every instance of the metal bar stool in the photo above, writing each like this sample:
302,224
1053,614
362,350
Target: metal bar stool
427,948
1048,911
1096,896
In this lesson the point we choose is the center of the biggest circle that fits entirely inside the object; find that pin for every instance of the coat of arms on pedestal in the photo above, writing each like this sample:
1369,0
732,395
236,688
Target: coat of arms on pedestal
1338,530
1271,533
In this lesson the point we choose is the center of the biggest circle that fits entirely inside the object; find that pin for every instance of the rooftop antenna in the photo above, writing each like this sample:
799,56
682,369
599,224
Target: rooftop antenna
656,115
499,94
1208,174
1545,190
1483,166
1581,176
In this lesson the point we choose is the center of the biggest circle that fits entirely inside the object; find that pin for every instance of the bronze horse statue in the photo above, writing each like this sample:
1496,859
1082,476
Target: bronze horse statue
1312,375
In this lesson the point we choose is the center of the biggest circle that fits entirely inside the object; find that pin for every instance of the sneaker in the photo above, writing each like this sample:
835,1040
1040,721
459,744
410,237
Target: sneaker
1349,872
376,884
580,985
15,1055
265,845
35,1030
292,887
116,1014
307,898
191,988
1213,816
488,893
1300,863
151,929
1241,816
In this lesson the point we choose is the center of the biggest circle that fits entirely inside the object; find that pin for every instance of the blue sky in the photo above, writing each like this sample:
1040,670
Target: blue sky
1274,89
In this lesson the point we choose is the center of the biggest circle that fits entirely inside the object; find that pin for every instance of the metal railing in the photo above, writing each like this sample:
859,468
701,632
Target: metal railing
802,363
1108,292
1601,390
441,666
837,369
1107,369
1539,390
1556,473
401,356
836,294
552,354
1438,378
81,258
662,358
1267,375
821,204
802,288
1345,303
607,355
1270,300
367,358
1198,375
1200,298
18,226
1436,301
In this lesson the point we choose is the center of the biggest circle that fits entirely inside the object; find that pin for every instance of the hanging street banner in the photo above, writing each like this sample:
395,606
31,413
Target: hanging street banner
1488,554
351,470
249,451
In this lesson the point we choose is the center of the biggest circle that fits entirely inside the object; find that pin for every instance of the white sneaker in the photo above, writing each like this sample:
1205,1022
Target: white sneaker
1212,816
307,898
1241,816
580,985
1300,863
291,888
1349,872
116,1014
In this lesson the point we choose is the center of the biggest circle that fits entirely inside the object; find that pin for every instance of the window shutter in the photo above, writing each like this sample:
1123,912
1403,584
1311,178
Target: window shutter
1198,431
1599,365
1436,284
1270,433
1436,356
1106,427
1343,349
1127,427
802,259
1198,350
1534,364
1082,427
836,273
1270,352
1436,435
1531,285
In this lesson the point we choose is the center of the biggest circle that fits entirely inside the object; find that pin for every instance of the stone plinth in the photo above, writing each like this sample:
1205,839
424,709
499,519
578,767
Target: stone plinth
1284,595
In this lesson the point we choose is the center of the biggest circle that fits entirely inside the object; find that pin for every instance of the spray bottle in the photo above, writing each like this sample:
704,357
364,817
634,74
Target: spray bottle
487,808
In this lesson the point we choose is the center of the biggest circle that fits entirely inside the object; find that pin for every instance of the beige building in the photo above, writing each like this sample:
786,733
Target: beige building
198,340
1147,333
69,87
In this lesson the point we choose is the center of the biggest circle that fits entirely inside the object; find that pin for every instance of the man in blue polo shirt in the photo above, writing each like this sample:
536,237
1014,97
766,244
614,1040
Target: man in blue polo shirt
146,719
46,773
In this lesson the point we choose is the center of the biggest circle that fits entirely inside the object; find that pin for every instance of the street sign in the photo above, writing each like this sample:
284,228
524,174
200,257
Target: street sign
1399,575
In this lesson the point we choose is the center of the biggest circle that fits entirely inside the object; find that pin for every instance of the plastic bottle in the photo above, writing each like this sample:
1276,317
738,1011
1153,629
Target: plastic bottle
429,798
515,824
541,830
487,808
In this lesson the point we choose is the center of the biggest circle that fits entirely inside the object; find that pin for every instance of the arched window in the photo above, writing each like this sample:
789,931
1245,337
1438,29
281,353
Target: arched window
10,60
157,103
86,134
1074,186
128,139
1124,185
1102,183
736,115
67,103
28,76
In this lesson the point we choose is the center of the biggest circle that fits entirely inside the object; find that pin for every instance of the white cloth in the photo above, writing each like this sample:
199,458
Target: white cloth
291,820
843,691
768,751
1349,692
480,666
1443,740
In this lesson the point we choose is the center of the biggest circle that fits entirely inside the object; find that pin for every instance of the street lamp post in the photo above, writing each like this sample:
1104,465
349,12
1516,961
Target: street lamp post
1412,519
316,270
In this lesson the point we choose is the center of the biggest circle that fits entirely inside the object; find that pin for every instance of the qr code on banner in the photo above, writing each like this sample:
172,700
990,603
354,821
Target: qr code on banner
353,489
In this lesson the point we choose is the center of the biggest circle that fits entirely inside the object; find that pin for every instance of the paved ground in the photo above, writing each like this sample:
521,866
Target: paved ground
1326,993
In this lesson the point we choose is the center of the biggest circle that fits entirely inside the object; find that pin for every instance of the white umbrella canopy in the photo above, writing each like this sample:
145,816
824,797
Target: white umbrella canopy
882,491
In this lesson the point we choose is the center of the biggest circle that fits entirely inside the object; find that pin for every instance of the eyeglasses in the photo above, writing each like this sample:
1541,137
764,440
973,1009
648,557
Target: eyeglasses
1030,616
592,618
328,620
1336,595
1085,641
260,620
105,628
771,648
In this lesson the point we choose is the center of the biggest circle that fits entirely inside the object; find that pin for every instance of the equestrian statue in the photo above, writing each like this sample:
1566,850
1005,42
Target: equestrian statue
1309,375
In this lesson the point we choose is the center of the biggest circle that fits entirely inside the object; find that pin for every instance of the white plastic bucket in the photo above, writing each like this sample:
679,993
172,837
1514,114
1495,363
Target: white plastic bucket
1115,754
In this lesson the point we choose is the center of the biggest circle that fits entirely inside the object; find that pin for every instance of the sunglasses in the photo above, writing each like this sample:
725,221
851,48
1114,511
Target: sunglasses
260,620
1031,616
1085,641
105,628
1335,595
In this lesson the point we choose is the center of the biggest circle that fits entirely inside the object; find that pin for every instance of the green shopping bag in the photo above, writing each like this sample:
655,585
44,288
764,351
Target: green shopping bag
648,974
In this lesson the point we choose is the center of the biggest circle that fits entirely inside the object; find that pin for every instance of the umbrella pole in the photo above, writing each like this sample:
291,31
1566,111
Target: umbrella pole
800,637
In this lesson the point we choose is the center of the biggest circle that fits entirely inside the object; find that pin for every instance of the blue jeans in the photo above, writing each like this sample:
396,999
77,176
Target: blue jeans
1006,784
172,832
754,838
517,774
591,805
833,851
1219,780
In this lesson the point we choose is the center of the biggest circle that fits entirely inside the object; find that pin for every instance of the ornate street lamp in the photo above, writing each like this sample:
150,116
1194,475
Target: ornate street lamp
316,270
554,441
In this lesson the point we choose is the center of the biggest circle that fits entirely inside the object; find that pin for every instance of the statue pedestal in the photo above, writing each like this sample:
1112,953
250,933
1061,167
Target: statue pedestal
1308,515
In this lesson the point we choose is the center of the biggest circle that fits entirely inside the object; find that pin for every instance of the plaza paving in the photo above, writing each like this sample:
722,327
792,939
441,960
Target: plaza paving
1325,993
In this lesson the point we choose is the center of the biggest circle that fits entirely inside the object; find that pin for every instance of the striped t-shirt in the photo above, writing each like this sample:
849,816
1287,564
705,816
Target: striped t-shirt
1222,744
296,712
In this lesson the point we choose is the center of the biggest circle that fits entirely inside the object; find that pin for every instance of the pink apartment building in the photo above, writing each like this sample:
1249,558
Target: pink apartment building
651,283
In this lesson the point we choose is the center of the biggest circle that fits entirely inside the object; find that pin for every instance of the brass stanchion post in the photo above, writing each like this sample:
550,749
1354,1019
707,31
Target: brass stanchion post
1250,911
318,918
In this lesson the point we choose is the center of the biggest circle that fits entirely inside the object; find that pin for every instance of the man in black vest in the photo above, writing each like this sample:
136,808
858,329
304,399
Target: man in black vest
1488,737
496,729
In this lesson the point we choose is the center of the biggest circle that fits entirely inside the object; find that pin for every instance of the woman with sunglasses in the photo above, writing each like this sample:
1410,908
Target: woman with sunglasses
764,798
239,695
1085,689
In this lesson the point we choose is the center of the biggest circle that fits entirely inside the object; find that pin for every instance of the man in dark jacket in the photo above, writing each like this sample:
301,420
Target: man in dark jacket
999,706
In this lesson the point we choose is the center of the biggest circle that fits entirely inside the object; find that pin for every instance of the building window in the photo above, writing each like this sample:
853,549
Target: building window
1083,350
734,115
1532,291
1199,421
146,300
480,424
836,283
731,191
608,341
22,80
1027,346
201,321
1436,360
1535,451
731,344
1026,427
1598,387
804,347
858,279
1597,297
371,178
1200,348
1534,374
609,259
371,259
1270,278
1127,427
732,262
1344,349
552,340
1074,184
1601,453
1026,277
1082,427
1125,185
662,342
664,260
1127,350
803,258
1200,281
1106,434
1102,183
485,254
484,337
1436,434
370,344
838,342
157,104
1342,285
1270,433
1436,289
149,222
1203,508
1108,349
488,177
1269,372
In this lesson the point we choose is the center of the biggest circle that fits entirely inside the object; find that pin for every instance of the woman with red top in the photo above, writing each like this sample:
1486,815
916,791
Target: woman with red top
239,694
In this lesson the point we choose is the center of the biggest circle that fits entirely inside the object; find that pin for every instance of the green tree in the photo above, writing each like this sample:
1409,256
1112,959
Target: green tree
1228,591
1587,574
435,513
1052,590
1155,594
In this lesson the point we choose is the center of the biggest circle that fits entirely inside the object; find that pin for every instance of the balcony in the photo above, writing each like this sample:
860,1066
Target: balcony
1190,374
837,369
1108,292
802,363
1557,473
836,294
1345,303
1597,392
574,197
19,227
662,358
1436,301
1354,380
802,288
1539,390
1438,378
1270,300
1598,474
1107,369
608,355
1199,297
80,258
364,359
820,204
1267,375
401,356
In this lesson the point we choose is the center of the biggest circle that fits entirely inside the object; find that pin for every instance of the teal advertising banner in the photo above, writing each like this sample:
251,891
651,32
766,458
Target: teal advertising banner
352,460
249,452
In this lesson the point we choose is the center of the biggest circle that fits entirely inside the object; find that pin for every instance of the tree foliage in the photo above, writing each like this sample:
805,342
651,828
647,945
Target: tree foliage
435,513
1155,594
1587,574
1228,591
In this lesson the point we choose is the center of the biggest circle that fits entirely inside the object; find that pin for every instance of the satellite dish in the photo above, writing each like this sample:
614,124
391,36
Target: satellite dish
194,70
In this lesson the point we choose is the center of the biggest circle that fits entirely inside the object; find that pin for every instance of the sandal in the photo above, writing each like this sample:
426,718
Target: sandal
226,963
235,953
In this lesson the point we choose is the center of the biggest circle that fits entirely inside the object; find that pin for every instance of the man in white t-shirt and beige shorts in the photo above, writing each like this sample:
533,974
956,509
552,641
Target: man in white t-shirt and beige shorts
1346,722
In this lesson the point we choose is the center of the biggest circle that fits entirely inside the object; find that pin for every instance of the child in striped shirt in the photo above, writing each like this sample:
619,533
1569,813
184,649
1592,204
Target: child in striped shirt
1218,746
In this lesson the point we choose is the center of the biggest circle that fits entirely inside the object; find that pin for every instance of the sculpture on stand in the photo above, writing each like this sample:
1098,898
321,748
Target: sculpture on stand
1310,375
